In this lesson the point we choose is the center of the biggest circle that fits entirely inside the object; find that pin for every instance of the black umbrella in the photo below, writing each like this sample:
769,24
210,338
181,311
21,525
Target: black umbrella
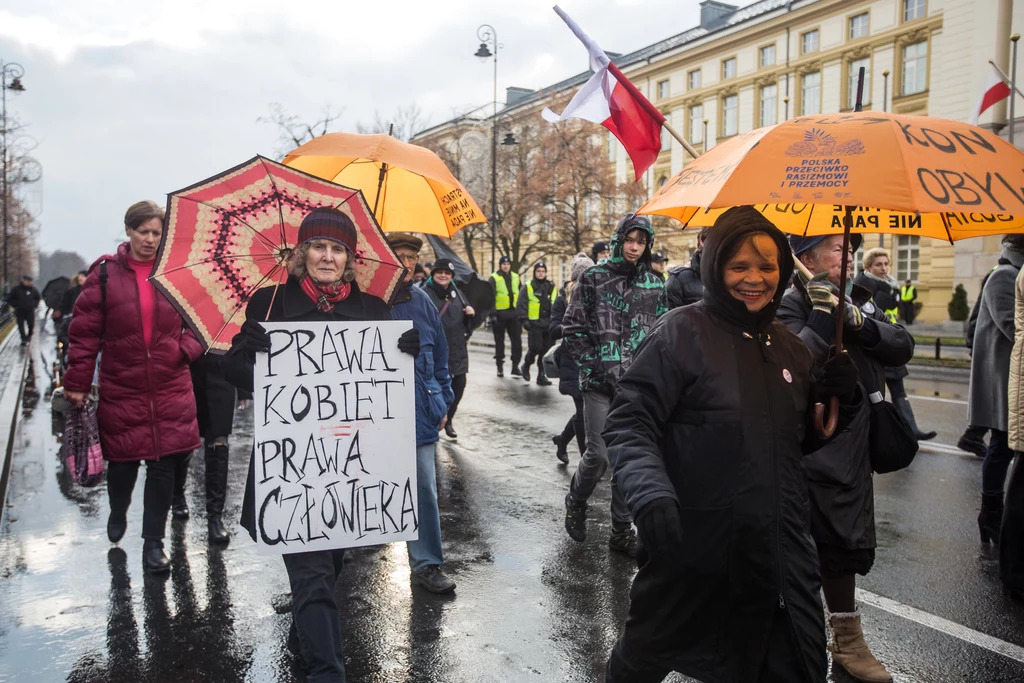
54,291
477,291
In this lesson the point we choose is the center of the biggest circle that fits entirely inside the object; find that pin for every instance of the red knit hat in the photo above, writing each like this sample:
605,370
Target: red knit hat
328,223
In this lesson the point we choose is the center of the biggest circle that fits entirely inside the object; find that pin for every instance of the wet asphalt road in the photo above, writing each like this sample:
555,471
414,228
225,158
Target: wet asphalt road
531,605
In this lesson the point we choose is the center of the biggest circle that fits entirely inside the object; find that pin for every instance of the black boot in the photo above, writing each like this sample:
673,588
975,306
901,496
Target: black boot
903,404
526,371
179,507
560,449
991,517
449,429
216,491
117,524
501,371
154,559
973,441
515,370
542,378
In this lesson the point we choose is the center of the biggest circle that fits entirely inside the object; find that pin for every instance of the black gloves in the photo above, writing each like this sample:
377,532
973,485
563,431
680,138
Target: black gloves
409,342
660,529
838,378
526,324
256,339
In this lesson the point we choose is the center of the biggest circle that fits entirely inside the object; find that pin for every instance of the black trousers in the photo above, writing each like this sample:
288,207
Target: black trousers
515,333
458,388
26,323
575,426
908,311
540,343
1011,536
156,499
316,622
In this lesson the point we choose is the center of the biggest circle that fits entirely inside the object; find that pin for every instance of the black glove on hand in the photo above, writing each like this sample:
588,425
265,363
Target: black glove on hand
660,528
526,324
256,339
409,342
839,378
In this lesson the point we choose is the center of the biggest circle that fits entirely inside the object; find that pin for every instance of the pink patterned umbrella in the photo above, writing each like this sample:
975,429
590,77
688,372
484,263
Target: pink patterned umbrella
231,234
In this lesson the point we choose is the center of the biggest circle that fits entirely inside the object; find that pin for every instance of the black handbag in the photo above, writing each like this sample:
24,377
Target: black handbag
891,440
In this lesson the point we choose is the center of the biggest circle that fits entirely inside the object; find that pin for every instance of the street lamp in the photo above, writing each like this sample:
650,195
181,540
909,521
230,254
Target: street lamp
487,36
885,90
13,71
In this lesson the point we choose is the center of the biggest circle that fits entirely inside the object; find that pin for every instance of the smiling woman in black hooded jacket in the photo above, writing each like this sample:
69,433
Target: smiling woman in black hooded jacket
706,434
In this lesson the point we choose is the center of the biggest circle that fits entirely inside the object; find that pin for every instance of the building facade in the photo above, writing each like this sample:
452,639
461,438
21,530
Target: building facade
744,68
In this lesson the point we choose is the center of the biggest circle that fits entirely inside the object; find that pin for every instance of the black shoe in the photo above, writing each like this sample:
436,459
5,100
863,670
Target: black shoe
218,534
501,372
991,517
450,431
624,542
515,370
908,412
117,524
575,519
154,559
560,450
525,371
543,381
433,579
179,509
972,444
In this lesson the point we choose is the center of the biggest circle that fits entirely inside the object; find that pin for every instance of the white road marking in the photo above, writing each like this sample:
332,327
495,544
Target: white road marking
950,628
945,449
956,401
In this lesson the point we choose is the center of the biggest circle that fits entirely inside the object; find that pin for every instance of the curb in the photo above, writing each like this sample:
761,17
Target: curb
9,405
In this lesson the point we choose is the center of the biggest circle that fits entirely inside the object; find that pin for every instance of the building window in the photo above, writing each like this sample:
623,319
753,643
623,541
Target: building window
728,68
666,139
612,146
908,253
853,74
858,26
913,9
693,79
810,95
767,56
915,68
663,89
697,124
809,42
730,115
563,272
769,105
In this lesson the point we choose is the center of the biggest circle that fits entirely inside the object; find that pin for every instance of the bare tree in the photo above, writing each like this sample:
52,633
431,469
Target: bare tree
293,131
59,262
22,171
403,124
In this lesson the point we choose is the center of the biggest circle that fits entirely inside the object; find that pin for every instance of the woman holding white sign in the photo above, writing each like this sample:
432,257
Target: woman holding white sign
321,287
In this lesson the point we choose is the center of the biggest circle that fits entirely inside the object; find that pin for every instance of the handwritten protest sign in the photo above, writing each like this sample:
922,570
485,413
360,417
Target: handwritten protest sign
335,437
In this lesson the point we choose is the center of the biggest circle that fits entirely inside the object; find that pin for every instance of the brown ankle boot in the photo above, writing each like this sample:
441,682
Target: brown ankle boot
851,652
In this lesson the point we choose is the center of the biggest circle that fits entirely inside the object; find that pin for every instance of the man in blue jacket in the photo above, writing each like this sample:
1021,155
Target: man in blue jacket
433,396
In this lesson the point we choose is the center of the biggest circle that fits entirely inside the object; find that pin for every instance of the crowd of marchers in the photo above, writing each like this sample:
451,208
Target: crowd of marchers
695,388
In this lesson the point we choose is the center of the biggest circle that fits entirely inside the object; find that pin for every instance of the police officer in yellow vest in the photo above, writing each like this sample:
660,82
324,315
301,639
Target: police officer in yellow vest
908,294
535,299
506,294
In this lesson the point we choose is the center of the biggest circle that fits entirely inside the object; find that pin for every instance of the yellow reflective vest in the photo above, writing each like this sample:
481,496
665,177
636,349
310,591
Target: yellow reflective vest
503,299
533,303
908,293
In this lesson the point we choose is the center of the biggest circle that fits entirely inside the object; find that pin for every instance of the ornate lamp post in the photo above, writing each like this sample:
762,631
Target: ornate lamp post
489,37
14,72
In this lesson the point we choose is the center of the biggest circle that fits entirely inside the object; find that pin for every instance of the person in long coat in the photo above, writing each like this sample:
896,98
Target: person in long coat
146,411
320,287
840,475
1011,546
457,319
987,404
568,373
707,432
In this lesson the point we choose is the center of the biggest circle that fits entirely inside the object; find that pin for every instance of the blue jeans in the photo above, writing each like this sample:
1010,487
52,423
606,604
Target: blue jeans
997,462
316,623
427,550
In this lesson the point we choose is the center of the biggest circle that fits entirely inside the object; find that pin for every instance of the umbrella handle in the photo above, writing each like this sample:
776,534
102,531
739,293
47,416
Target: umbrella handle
822,427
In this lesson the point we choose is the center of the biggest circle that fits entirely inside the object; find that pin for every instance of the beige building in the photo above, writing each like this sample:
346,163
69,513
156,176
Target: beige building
754,66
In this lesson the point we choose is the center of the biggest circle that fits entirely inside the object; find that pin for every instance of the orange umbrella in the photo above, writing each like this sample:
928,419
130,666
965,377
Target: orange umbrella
409,187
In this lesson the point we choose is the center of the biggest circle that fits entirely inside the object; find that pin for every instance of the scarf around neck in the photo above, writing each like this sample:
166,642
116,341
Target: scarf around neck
326,296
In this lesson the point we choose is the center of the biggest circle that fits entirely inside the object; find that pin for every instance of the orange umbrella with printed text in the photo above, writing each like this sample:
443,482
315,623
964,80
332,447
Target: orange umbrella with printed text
866,172
408,186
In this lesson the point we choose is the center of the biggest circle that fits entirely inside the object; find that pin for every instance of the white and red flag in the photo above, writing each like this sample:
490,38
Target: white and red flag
609,99
996,90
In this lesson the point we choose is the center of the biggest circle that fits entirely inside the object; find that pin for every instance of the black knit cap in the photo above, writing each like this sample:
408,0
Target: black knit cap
444,264
540,264
504,259
328,223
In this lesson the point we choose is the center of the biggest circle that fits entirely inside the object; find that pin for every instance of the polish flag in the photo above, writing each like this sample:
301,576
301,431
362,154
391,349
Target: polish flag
996,90
609,99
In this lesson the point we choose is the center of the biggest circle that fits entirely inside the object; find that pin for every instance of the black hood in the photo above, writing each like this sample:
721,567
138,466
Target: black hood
732,226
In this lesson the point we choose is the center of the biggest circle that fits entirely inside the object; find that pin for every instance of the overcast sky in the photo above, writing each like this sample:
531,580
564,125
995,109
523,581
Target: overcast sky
131,100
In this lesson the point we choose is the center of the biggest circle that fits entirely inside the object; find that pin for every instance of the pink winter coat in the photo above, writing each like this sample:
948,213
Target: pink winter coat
147,409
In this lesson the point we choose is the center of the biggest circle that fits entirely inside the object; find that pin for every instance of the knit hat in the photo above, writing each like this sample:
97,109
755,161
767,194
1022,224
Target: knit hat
539,264
658,257
328,223
404,239
579,265
444,264
504,259
597,249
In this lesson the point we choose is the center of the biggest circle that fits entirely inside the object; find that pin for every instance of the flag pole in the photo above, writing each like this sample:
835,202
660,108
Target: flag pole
1013,87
